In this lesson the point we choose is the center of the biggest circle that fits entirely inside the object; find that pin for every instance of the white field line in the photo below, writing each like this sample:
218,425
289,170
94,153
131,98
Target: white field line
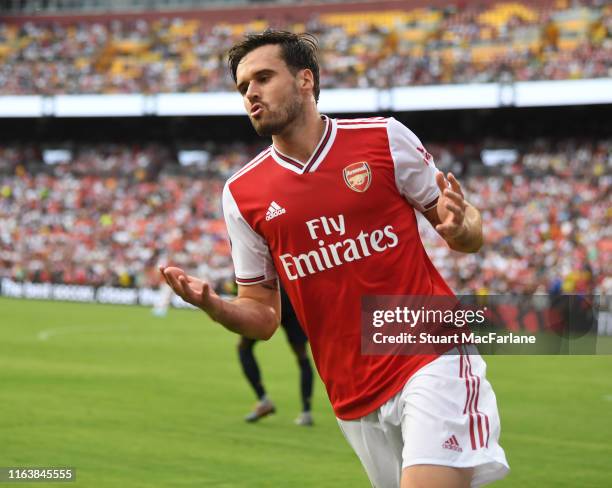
46,334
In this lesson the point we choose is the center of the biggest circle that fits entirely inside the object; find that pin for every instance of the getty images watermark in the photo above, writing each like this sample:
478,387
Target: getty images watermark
495,324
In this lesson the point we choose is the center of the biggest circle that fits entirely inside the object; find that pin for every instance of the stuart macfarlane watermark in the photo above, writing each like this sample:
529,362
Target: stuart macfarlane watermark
500,324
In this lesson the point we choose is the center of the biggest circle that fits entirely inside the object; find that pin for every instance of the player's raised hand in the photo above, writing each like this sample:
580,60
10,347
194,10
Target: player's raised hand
191,289
451,206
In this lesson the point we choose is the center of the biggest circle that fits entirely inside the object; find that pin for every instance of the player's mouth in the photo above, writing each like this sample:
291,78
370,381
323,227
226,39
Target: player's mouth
256,110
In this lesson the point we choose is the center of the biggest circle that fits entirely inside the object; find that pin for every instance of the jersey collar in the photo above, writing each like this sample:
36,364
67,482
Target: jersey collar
317,156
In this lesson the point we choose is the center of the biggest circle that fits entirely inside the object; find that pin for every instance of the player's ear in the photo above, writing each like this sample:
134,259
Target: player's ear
306,79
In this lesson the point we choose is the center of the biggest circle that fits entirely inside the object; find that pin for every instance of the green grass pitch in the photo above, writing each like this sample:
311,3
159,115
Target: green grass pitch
131,400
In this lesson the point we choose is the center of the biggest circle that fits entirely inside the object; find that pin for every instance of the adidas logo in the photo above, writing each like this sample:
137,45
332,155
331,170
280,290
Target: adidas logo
274,210
452,444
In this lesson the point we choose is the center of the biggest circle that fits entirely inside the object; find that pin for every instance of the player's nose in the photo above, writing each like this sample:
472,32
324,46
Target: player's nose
252,94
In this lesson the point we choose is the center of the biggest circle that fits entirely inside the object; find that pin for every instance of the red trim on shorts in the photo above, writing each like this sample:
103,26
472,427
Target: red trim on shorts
480,430
467,409
473,410
467,385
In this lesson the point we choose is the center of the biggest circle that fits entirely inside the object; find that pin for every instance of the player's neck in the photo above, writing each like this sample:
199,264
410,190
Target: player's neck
301,139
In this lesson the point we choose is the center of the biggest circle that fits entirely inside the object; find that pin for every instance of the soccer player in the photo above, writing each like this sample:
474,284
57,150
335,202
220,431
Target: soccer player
297,340
162,301
329,209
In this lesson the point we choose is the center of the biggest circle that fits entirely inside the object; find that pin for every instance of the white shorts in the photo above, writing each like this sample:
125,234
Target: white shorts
446,414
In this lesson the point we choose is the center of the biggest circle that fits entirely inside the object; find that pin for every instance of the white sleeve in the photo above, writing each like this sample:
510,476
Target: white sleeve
252,261
415,170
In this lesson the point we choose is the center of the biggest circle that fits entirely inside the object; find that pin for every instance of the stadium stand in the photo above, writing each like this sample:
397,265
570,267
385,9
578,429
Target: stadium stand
486,42
111,212
71,6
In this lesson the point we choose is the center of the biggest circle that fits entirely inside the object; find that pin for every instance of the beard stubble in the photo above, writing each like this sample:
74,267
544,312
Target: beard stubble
282,118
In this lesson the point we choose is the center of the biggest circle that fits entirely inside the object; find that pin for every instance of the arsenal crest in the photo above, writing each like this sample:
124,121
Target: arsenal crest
358,176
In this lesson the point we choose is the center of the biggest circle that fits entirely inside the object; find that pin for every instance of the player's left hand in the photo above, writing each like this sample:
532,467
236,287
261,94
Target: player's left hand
451,207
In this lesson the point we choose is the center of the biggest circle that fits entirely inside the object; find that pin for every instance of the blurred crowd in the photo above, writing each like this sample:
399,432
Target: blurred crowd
547,218
110,231
471,43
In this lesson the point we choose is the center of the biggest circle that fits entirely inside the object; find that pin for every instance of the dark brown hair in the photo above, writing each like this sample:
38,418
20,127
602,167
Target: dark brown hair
299,51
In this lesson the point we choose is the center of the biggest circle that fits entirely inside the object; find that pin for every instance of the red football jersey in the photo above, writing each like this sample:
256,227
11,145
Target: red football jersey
333,229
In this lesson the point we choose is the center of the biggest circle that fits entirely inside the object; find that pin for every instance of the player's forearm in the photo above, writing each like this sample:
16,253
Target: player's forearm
470,239
246,317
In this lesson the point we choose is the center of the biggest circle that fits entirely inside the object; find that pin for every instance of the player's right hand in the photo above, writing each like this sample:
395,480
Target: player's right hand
191,289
